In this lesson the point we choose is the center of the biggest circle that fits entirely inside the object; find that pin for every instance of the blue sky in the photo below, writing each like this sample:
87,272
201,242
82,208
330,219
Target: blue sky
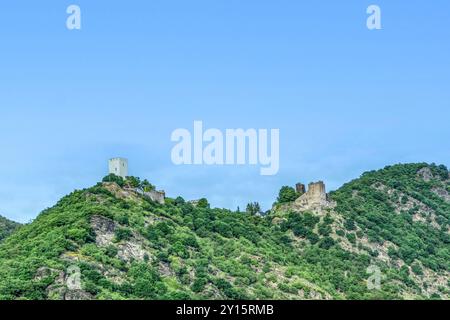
346,99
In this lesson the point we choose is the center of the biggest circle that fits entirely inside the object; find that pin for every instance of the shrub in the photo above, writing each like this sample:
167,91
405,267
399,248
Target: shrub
122,234
113,178
203,203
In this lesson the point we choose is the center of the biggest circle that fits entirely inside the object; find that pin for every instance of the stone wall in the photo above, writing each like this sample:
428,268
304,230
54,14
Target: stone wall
156,196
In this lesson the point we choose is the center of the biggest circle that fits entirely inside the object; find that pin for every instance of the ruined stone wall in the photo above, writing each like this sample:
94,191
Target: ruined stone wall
316,190
156,196
314,199
300,188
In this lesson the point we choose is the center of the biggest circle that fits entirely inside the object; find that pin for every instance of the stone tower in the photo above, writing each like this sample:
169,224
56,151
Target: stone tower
316,190
119,167
300,188
314,199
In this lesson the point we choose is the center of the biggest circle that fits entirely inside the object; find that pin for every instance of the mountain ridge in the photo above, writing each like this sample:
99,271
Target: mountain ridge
125,246
7,227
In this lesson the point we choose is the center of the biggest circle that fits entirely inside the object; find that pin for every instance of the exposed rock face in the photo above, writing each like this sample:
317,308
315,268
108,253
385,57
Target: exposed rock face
194,202
134,193
59,290
104,229
77,295
442,193
117,191
403,202
45,272
425,174
131,250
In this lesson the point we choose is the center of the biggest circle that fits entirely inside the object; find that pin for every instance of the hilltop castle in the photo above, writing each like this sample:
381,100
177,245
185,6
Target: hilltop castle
315,196
314,199
119,167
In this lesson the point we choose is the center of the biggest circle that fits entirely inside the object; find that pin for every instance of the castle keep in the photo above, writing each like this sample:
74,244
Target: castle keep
119,167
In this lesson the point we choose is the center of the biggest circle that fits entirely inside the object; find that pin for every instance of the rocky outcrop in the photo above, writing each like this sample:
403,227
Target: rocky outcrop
425,174
129,193
77,295
46,272
104,230
61,288
442,193
131,250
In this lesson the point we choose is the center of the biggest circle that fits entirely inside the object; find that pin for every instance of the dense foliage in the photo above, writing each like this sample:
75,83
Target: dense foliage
253,208
287,194
419,232
7,227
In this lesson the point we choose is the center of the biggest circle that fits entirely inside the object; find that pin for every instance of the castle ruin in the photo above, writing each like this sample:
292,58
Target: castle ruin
314,199
316,195
154,195
300,188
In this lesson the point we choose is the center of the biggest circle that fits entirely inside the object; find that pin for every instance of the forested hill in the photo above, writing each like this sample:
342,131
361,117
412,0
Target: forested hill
7,227
391,224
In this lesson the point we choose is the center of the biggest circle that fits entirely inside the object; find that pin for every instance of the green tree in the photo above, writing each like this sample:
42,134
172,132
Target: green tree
146,186
287,194
133,182
253,208
203,203
179,201
113,178
123,234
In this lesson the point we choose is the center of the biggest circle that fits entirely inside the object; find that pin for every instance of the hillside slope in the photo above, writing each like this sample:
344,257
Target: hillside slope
110,242
7,227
